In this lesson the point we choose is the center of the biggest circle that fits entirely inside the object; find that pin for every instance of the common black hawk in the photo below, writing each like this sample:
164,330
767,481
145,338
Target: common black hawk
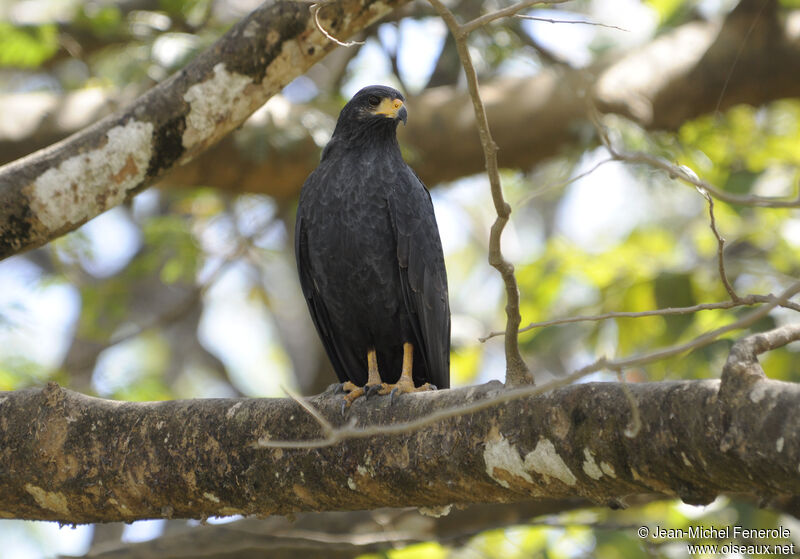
370,257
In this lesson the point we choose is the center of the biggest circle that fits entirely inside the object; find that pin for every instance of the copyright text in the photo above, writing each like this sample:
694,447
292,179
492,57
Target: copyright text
757,539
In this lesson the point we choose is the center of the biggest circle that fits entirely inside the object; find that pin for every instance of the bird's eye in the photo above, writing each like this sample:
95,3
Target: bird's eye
373,100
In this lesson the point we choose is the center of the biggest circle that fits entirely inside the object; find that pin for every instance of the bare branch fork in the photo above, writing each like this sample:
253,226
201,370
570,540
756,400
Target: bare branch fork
701,186
517,372
705,190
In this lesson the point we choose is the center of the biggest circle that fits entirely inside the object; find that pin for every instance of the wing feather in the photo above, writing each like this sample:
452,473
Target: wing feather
422,274
316,306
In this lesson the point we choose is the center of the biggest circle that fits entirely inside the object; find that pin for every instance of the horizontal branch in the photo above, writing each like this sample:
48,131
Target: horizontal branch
72,458
55,190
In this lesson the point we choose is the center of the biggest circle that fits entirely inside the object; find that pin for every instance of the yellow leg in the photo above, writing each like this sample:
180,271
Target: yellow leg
406,382
373,380
373,376
404,385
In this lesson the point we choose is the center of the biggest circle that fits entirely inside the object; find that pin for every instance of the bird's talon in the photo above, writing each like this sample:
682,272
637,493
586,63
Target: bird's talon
353,393
336,389
371,389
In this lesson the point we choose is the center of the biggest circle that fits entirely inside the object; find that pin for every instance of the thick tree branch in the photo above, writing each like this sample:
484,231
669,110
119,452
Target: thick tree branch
57,189
72,458
742,369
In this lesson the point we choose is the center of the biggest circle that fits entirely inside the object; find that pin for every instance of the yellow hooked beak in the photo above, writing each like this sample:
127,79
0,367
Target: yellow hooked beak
392,108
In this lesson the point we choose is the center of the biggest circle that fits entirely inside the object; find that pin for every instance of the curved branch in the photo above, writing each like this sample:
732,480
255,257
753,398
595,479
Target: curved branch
55,190
517,372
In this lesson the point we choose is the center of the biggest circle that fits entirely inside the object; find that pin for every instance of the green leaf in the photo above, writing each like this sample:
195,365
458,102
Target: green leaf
27,46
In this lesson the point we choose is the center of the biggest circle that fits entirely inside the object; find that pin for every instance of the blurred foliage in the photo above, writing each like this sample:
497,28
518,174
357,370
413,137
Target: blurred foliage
127,278
101,20
27,46
600,532
177,256
669,259
734,149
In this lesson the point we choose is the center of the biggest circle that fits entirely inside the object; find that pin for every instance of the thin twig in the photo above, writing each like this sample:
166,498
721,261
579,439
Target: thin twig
573,21
517,372
558,185
324,424
745,301
349,432
478,22
720,247
685,174
705,339
315,11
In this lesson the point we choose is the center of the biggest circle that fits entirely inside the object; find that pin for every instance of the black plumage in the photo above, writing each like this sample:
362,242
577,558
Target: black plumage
368,250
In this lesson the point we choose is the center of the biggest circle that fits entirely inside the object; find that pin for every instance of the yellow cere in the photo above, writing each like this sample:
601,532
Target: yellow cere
389,107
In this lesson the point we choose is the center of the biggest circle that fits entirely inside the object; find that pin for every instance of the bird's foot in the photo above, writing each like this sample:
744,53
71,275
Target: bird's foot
354,392
371,390
406,386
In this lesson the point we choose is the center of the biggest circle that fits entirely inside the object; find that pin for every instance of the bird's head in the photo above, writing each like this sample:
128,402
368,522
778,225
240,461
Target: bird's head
374,105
